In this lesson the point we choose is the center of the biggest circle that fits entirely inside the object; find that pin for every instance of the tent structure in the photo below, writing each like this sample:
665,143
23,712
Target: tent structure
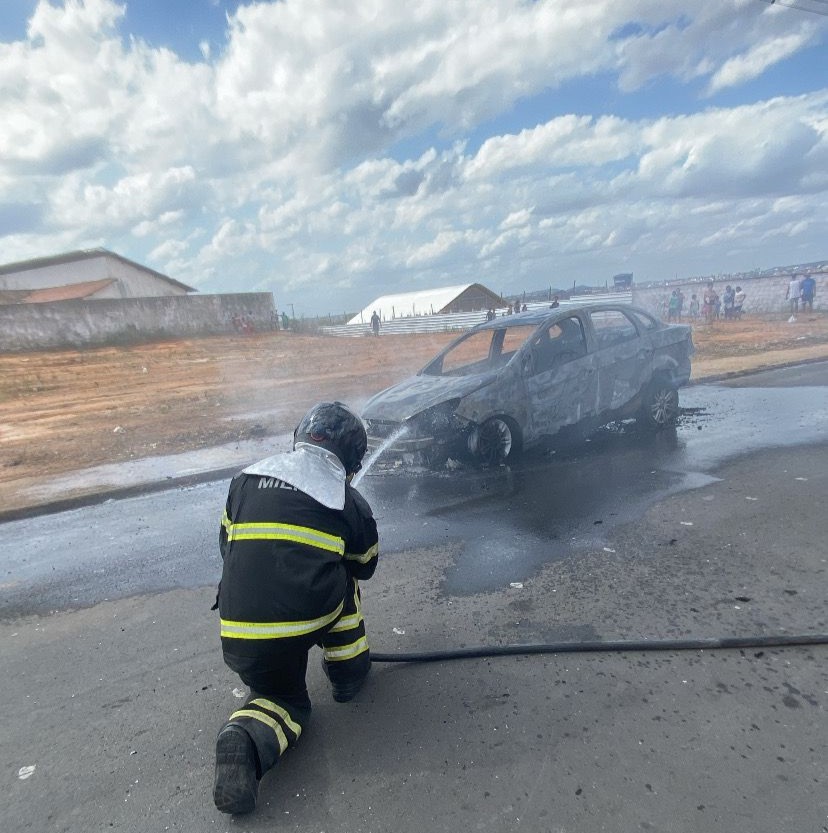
467,297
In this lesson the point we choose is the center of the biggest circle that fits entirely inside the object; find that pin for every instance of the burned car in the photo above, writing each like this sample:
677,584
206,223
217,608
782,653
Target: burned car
517,381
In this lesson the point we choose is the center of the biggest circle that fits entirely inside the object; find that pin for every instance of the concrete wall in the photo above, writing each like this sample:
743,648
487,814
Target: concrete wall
458,321
132,320
765,294
132,282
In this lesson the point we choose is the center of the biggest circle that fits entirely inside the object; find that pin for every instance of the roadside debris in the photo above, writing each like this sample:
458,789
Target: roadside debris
26,772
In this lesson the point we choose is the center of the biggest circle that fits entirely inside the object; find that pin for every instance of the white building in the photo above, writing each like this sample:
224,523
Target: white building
89,275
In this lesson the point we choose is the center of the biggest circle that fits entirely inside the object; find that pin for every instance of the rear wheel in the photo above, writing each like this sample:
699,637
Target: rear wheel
494,442
660,406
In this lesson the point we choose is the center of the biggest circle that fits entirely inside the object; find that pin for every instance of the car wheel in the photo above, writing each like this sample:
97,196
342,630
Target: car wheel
660,407
494,442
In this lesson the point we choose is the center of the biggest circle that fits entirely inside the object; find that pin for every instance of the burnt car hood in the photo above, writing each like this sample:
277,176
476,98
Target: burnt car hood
418,393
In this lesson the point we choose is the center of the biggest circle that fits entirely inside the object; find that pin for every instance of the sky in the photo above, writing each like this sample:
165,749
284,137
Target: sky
331,153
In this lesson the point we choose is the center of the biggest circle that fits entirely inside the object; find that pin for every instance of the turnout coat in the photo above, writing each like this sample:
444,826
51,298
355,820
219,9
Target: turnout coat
293,536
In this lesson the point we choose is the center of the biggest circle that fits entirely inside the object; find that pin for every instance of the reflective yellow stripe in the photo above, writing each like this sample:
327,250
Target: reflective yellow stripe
347,623
365,557
346,651
357,600
277,709
285,532
276,630
268,721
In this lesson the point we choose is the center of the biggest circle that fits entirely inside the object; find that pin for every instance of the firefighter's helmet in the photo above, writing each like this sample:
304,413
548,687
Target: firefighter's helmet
335,427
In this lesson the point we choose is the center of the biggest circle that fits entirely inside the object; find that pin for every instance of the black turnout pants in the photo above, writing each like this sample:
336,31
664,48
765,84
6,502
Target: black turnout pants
278,708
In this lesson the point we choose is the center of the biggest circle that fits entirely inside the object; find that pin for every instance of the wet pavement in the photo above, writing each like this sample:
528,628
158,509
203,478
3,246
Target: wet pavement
558,502
505,523
714,530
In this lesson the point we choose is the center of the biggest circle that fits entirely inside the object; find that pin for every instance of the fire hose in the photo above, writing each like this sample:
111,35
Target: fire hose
631,645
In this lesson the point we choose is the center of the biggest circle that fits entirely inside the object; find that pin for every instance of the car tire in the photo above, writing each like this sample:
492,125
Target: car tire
495,441
659,406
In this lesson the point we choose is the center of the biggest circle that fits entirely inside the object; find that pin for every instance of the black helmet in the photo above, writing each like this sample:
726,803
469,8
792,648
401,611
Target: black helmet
335,427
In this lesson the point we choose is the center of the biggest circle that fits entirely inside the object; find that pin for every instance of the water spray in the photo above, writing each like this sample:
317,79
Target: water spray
375,455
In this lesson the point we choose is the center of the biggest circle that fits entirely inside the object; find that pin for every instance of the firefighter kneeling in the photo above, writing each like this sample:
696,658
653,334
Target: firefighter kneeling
295,538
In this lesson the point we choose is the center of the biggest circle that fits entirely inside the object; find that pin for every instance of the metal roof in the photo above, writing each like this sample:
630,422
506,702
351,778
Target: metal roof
69,292
409,304
85,254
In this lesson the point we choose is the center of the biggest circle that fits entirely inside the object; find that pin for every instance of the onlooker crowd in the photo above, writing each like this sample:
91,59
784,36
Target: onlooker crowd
711,307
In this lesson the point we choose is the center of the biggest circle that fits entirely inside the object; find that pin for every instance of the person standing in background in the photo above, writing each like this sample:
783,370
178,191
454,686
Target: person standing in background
739,302
710,308
807,292
729,301
694,306
792,295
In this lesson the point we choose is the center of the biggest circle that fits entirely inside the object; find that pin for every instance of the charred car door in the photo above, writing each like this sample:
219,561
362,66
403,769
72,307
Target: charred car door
624,358
561,382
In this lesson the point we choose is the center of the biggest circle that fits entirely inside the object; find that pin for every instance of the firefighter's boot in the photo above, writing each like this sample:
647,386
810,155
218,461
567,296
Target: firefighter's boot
236,787
344,690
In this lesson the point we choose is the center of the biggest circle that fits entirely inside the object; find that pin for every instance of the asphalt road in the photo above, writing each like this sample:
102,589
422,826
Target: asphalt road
114,686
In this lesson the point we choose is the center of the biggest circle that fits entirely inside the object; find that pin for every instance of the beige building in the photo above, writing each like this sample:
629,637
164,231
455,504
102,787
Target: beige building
91,274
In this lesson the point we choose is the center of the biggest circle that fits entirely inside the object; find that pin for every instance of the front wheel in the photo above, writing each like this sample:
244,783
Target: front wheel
494,442
660,407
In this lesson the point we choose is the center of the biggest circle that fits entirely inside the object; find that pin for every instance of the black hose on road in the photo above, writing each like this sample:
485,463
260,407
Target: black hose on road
731,642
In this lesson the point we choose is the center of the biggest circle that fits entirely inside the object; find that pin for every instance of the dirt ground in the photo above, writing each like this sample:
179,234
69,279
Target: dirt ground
62,411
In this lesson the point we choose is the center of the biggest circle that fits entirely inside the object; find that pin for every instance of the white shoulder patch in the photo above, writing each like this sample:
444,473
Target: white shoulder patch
313,470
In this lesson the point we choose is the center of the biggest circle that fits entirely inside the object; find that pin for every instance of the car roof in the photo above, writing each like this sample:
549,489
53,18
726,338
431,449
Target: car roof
536,317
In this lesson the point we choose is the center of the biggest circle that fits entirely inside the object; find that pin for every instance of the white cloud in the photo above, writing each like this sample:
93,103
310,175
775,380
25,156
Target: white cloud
169,250
754,62
760,148
269,163
129,203
517,219
436,249
562,142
